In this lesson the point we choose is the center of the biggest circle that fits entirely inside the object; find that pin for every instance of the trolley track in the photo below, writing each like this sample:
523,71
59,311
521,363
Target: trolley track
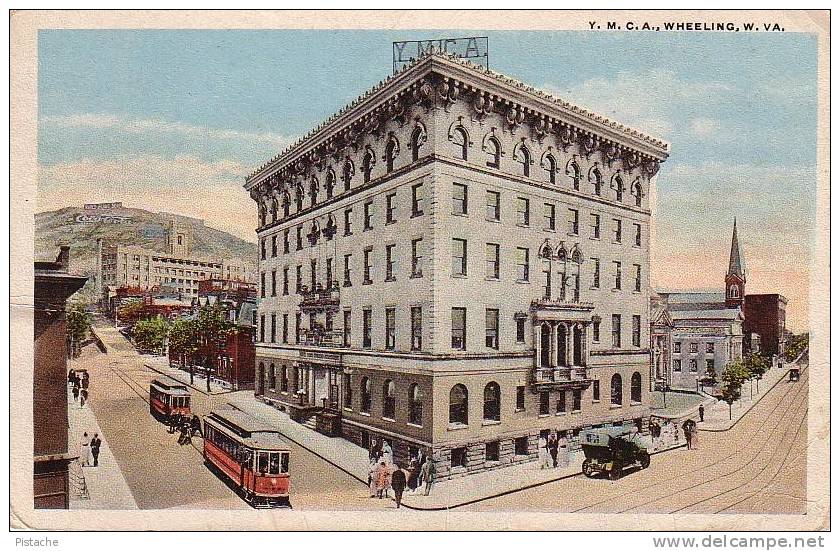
660,482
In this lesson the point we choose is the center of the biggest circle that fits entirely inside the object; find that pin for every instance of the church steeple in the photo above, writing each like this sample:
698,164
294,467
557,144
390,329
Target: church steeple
736,277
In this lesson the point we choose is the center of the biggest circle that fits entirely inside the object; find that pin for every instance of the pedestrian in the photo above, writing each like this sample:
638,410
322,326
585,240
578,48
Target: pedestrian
85,380
172,421
95,444
83,396
413,474
71,376
185,433
427,471
675,431
563,449
84,451
381,475
655,433
542,452
374,449
372,477
398,482
387,452
688,432
195,426
552,448
702,411
75,391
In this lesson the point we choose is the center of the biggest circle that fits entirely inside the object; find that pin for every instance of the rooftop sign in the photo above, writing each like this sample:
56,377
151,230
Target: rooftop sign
474,48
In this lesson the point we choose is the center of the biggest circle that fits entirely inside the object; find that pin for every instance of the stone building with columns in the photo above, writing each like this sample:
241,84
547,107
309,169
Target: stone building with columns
456,263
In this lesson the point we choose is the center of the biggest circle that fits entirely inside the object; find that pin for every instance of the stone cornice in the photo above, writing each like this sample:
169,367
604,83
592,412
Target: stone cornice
437,78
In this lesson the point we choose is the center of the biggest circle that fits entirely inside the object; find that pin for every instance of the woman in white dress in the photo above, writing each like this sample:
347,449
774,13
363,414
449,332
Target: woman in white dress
542,449
84,451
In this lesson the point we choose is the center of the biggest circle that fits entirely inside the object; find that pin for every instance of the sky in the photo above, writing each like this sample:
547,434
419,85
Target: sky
174,120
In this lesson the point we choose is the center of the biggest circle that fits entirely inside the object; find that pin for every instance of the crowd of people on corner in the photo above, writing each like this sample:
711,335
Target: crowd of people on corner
386,475
553,451
187,427
79,385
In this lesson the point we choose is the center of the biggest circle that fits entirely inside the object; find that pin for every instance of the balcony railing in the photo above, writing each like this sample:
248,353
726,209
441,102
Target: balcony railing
554,377
321,299
315,337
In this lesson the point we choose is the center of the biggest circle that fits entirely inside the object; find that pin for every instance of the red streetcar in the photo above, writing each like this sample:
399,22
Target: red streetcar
167,399
251,454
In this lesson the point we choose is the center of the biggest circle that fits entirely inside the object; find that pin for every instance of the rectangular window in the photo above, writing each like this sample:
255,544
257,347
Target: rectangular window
520,446
459,257
285,328
491,328
576,394
550,217
389,262
390,328
299,237
692,366
416,328
274,246
368,216
523,211
596,391
367,266
459,199
298,278
617,272
329,275
492,271
417,257
273,327
596,273
677,347
677,366
493,206
459,328
347,281
520,329
262,249
416,200
348,390
285,280
459,457
262,327
692,348
638,235
710,366
596,330
616,330
574,221
561,402
286,242
544,402
367,322
348,222
710,347
523,267
520,398
313,275
347,327
274,283
262,284
637,331
596,226
617,233
491,451
637,278
390,208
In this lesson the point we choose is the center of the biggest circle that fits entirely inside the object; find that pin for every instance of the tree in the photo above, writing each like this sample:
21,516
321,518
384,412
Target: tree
795,346
130,312
78,321
733,377
756,365
212,328
183,340
150,334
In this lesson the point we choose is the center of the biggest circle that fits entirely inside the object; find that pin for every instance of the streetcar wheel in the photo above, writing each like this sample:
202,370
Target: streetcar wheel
588,470
615,472
644,460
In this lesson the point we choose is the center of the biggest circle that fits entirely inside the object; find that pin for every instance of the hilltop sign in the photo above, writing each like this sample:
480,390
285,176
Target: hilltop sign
474,48
103,206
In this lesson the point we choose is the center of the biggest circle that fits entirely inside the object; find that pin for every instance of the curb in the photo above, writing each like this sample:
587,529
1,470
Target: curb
188,384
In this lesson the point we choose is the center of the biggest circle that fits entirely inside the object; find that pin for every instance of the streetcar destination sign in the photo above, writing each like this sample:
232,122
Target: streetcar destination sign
474,48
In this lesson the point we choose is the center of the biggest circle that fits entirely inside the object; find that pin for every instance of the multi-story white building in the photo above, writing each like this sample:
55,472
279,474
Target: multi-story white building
177,266
455,263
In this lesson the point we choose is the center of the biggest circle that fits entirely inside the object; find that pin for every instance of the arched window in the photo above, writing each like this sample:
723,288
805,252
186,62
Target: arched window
299,197
492,402
573,172
389,402
287,202
262,214
284,378
391,151
636,388
261,379
734,291
550,166
615,390
596,180
417,139
272,377
347,174
619,188
367,165
636,190
523,157
494,152
460,141
330,228
458,405
415,405
365,395
313,191
274,209
330,183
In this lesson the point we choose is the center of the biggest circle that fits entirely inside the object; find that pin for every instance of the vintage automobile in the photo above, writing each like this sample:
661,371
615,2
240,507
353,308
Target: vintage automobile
611,449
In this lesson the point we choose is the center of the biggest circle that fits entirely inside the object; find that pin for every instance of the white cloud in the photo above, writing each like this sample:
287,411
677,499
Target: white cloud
703,126
156,126
186,185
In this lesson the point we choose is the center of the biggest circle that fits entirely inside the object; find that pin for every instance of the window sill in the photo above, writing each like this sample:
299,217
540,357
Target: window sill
635,403
389,419
523,281
550,230
594,238
615,406
389,222
543,415
369,282
416,276
576,412
596,401
572,234
463,214
490,422
365,414
614,290
491,279
494,220
416,214
414,425
457,426
521,225
560,414
459,276
390,279
519,410
347,409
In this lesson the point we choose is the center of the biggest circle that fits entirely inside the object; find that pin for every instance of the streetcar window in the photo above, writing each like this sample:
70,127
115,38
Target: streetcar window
246,457
284,463
262,462
274,463
186,401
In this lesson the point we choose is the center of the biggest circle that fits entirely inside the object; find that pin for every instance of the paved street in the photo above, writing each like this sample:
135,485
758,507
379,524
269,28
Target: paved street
756,467
162,474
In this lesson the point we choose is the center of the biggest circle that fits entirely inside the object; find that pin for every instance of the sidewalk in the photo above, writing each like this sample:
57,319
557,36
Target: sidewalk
106,486
445,494
160,364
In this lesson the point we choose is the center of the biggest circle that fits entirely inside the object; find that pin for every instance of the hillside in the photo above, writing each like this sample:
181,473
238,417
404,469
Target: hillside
80,228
